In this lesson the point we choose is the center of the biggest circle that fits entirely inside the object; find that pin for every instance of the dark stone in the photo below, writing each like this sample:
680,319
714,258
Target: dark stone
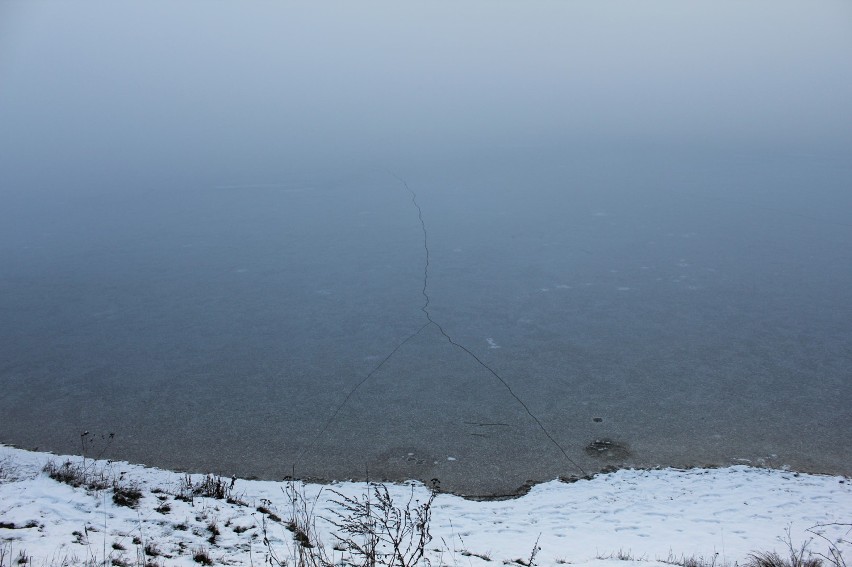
608,449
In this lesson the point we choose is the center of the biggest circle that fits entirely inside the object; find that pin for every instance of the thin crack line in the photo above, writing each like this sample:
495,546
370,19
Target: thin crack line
352,393
425,310
426,298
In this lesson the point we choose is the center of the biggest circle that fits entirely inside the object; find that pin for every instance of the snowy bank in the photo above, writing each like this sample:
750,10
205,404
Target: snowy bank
720,515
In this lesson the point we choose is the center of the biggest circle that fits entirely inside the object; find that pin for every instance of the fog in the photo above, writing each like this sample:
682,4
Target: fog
636,216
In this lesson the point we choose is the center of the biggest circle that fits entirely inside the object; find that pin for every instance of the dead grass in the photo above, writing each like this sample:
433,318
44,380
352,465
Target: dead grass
79,474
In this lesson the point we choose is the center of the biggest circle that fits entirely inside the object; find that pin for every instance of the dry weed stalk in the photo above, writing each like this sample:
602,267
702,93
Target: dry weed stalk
377,532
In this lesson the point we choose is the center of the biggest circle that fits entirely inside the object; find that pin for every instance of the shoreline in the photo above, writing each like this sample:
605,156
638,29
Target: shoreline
642,516
772,463
517,491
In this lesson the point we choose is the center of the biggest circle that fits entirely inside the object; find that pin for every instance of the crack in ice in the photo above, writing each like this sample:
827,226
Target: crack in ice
463,348
431,321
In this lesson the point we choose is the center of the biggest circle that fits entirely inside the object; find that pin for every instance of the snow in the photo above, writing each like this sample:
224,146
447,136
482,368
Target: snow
721,515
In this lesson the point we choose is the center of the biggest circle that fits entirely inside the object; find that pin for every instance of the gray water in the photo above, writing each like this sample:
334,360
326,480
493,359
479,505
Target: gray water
219,281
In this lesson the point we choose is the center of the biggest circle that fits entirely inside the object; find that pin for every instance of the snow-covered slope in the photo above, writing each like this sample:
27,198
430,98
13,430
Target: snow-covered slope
717,514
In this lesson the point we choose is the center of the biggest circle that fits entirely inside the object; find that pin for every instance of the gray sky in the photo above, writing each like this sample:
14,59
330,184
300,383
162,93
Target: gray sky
220,86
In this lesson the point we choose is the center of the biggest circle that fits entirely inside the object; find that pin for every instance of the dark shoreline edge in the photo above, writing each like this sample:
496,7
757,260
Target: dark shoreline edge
520,492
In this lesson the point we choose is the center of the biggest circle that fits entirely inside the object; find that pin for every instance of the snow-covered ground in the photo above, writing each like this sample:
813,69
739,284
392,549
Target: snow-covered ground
720,515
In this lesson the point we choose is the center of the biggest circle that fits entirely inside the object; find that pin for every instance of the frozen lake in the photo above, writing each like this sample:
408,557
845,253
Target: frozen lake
636,217
221,327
